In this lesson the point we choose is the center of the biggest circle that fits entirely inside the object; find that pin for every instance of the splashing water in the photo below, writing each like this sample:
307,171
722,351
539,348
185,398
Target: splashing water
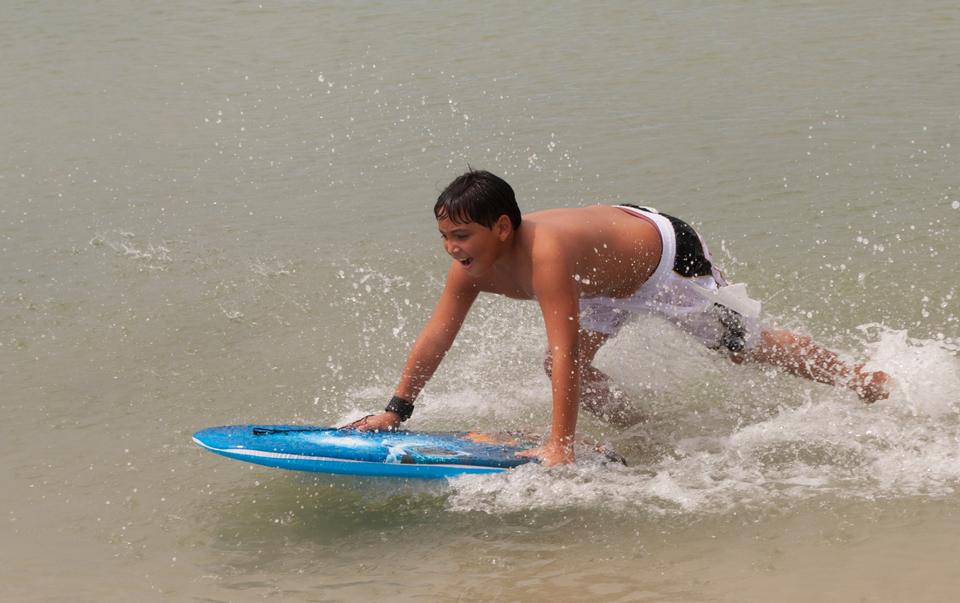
829,445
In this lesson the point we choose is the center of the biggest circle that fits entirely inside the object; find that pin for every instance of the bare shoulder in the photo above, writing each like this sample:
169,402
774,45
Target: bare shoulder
576,220
567,215
548,243
613,249
568,232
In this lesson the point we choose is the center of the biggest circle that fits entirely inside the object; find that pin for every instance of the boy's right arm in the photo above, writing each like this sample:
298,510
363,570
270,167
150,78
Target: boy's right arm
431,345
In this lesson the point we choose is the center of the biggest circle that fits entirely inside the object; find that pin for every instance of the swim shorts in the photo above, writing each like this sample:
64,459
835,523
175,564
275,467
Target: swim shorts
686,289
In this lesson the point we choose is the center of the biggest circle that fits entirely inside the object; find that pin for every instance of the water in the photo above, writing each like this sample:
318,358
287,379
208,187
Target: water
221,213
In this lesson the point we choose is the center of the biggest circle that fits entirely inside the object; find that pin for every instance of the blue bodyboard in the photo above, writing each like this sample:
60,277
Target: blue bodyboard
407,454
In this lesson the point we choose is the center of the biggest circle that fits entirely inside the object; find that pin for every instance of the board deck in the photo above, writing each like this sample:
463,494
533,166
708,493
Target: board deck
407,454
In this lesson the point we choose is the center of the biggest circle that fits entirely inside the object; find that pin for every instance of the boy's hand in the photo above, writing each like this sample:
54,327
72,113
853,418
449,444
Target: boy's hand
387,421
550,454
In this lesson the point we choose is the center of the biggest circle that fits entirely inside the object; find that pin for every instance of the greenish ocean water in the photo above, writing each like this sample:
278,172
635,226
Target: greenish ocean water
220,212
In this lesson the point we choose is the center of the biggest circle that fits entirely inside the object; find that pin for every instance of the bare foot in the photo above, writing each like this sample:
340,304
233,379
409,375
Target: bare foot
870,385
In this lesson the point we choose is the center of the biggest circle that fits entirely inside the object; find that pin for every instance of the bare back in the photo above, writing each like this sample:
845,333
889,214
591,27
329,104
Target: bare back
609,252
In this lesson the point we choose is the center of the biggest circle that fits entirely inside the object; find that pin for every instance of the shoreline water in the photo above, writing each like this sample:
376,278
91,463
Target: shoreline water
221,214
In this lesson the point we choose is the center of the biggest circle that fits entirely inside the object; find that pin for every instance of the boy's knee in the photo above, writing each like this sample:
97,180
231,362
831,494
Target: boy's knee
782,338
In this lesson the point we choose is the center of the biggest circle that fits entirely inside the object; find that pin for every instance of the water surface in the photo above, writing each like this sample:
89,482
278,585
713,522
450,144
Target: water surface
220,213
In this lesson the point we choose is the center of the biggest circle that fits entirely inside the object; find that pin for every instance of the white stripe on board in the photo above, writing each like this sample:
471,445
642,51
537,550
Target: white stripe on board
304,457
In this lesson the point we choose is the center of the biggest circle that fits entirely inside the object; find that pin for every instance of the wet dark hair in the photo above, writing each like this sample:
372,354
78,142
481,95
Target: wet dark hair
477,196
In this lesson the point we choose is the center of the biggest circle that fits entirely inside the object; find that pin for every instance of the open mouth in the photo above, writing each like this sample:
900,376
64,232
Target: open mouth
466,263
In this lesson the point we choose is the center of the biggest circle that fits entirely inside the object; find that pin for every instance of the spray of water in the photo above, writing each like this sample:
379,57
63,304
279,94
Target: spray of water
811,441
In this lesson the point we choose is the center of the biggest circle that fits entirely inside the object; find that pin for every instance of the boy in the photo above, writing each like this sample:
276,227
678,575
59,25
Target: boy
591,269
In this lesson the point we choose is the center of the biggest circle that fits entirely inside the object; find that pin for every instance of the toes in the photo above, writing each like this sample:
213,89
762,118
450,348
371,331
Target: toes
872,386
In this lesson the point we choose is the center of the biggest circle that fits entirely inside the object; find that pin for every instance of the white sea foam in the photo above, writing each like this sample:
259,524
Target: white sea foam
828,444
152,256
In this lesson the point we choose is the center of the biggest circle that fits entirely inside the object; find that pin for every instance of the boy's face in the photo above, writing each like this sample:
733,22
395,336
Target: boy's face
473,245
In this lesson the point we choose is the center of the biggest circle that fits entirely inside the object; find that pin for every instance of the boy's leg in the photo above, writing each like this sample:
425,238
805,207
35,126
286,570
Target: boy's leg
597,392
800,356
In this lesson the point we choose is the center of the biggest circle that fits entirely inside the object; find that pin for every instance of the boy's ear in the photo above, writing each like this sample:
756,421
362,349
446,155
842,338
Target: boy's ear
503,227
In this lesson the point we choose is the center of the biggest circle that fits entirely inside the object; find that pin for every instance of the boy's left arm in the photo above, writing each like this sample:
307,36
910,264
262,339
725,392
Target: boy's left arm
559,296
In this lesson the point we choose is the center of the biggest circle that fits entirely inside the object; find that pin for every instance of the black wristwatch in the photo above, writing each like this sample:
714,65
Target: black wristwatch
402,407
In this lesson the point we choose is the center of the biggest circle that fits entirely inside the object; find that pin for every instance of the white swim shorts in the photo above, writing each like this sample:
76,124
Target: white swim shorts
686,289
